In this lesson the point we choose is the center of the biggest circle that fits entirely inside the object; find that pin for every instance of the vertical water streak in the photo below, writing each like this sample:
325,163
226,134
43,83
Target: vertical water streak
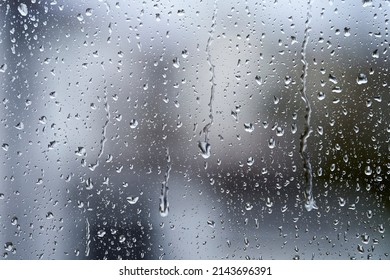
88,238
310,203
108,115
164,202
205,145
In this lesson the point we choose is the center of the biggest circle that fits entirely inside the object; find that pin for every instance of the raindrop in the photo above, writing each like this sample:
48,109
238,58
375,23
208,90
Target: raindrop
23,10
204,148
89,12
361,79
211,223
368,170
132,199
279,131
101,233
8,246
249,127
259,80
271,143
49,215
19,126
164,202
3,68
176,62
133,123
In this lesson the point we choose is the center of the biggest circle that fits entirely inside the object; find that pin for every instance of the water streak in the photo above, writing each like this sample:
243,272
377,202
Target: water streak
310,203
108,115
164,202
88,238
205,145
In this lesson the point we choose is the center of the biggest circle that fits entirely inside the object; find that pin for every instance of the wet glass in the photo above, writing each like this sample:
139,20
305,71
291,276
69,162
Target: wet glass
194,129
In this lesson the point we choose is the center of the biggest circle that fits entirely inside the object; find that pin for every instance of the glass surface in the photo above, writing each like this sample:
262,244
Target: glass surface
194,129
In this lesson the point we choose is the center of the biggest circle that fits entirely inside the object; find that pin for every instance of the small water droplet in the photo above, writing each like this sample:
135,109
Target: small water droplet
249,127
89,12
8,246
133,123
5,147
259,80
176,62
101,233
181,12
204,148
321,95
3,68
271,143
361,79
250,161
19,126
365,238
132,199
211,223
367,3
368,170
49,215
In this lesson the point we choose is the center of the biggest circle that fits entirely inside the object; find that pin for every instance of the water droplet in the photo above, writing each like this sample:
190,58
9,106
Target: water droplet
204,148
375,54
361,79
5,147
8,246
259,80
49,215
89,12
122,239
181,12
3,68
368,170
249,127
367,3
279,131
80,17
321,95
248,206
132,199
211,223
19,126
23,10
133,123
250,161
101,233
271,143
14,221
184,53
365,238
176,62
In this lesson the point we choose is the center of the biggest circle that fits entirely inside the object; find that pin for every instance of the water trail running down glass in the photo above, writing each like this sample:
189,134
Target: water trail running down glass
88,238
205,146
310,203
108,115
164,202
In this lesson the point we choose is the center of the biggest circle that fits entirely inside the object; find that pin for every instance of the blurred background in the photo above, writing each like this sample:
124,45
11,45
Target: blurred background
105,104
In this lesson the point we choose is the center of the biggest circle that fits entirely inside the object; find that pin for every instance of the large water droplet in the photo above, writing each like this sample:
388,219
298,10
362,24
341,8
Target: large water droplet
361,79
204,148
23,10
